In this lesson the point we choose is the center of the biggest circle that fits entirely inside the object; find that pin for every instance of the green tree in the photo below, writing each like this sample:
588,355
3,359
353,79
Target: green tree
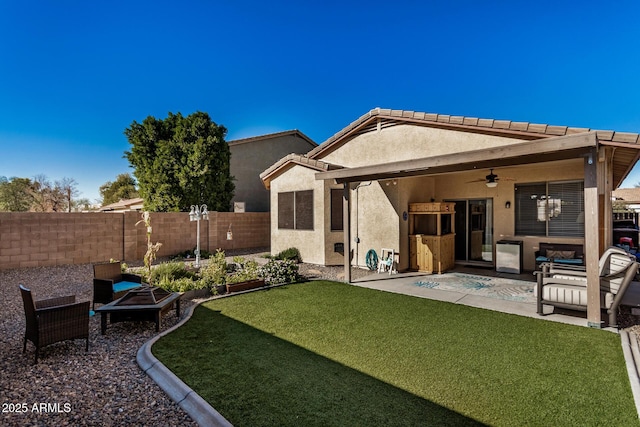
123,188
83,204
15,194
181,161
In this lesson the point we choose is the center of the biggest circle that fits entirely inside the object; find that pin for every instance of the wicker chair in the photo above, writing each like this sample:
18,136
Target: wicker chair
110,283
53,320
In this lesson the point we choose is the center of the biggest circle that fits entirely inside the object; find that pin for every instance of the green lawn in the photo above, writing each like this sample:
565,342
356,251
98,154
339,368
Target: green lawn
326,353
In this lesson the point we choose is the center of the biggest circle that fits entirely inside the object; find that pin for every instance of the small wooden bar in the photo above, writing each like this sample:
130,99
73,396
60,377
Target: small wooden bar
431,237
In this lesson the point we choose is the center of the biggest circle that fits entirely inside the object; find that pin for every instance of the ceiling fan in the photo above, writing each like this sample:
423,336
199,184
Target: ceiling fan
491,180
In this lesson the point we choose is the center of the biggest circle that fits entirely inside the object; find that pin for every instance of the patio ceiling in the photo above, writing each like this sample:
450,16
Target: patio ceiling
538,151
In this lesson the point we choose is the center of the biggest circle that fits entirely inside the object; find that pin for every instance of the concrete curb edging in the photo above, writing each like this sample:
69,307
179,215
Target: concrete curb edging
631,353
191,402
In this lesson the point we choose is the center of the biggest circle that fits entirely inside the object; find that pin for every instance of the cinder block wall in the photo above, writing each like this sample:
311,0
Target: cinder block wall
248,230
30,239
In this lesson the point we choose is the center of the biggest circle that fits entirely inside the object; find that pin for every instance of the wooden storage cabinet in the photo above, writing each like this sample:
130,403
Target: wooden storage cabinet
431,237
432,254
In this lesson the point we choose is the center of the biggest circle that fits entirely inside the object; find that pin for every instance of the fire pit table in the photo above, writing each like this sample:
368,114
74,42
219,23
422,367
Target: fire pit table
139,305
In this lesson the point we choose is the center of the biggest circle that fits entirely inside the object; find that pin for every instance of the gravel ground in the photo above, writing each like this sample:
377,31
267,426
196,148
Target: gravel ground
103,386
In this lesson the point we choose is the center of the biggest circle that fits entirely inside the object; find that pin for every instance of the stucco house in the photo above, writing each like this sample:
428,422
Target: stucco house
251,156
507,180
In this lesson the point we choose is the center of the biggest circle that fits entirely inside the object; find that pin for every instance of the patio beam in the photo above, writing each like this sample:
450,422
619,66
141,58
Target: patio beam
548,149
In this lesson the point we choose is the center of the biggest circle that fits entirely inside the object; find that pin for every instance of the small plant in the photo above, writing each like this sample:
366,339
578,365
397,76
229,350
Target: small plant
171,271
246,270
215,272
289,254
278,272
182,284
152,248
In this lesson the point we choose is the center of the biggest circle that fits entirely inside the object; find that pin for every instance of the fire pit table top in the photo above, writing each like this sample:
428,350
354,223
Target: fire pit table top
137,303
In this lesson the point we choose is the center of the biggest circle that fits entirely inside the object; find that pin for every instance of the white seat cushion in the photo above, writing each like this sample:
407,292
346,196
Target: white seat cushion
575,295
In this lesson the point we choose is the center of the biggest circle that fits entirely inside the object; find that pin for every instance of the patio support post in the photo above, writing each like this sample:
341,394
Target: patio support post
605,162
592,238
346,225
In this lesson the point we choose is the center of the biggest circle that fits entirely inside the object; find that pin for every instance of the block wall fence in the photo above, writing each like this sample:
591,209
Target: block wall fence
29,239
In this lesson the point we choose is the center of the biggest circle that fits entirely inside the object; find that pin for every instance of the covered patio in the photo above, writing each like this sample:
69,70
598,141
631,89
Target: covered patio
605,163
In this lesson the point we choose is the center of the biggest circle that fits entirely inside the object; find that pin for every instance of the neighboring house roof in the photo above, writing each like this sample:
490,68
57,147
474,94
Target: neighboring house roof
124,205
291,160
630,195
294,132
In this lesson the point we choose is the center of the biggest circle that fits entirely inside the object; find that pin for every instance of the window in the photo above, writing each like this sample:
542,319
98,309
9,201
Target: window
550,209
285,210
295,210
336,210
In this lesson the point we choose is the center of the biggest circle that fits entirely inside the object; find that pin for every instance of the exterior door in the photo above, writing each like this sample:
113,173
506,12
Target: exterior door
474,231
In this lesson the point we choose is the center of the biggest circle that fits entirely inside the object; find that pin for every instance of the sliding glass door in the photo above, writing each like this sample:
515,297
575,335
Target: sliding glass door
474,231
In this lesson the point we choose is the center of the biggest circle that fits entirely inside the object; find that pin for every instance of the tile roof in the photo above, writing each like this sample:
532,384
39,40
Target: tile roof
523,130
293,132
626,154
124,205
627,194
295,159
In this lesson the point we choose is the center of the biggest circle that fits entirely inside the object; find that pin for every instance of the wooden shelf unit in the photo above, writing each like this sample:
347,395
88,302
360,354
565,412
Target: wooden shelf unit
431,237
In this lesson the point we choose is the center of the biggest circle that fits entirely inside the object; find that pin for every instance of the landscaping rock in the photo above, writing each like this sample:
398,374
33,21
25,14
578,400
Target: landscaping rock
103,386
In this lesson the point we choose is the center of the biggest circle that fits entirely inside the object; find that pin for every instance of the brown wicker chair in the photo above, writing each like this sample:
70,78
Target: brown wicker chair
110,283
53,320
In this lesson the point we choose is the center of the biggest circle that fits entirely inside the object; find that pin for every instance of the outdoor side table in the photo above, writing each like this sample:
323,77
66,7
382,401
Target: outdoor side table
118,311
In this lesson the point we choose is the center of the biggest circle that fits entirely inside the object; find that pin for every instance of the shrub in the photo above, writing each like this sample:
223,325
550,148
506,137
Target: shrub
289,254
276,272
182,284
246,270
170,271
215,272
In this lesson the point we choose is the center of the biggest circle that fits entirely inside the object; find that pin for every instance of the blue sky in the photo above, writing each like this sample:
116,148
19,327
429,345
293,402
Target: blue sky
75,74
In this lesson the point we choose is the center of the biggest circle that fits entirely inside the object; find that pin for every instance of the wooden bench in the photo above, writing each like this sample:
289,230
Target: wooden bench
561,253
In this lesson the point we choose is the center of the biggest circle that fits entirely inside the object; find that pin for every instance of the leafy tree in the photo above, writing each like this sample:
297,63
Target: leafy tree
181,161
82,204
15,194
124,187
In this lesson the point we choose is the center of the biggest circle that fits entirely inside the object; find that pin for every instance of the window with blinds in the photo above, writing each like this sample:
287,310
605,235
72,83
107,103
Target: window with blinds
550,209
295,210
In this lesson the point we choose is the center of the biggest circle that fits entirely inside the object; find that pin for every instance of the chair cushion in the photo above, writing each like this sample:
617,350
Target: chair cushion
125,286
558,255
572,261
568,261
575,295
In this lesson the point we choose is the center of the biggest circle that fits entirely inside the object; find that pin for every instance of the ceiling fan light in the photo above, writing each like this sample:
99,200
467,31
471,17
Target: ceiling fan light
492,184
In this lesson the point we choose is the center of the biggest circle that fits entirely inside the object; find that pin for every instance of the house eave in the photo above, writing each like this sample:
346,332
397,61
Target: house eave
548,149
